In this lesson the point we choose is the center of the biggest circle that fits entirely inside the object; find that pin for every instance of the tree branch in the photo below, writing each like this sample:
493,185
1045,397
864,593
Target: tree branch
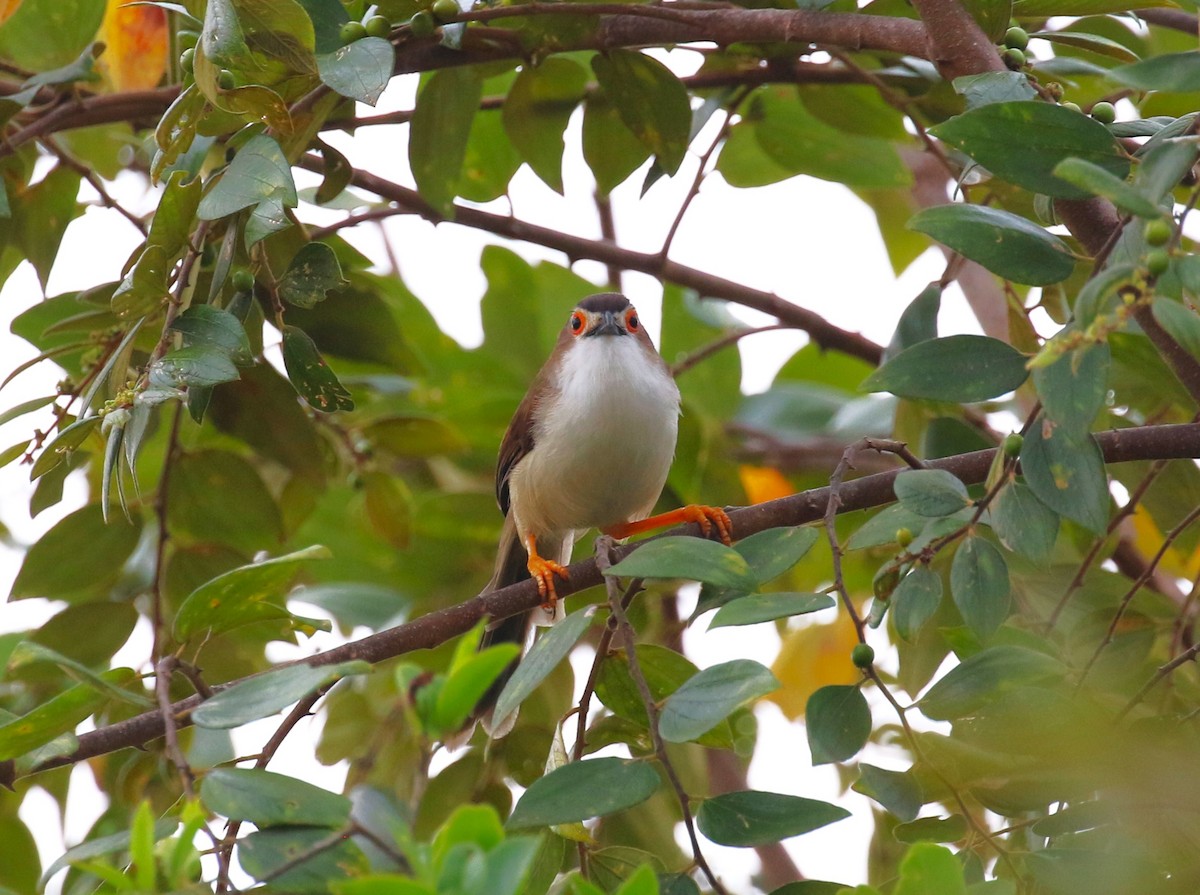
821,331
959,46
1170,442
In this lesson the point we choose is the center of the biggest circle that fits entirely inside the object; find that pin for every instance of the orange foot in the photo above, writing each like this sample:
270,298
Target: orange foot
708,518
542,571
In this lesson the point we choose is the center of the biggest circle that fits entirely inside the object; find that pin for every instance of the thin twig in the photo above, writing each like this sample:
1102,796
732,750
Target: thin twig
1163,670
604,559
162,689
704,352
161,500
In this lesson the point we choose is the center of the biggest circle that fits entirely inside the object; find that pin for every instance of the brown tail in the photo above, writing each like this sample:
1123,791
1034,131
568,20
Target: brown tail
511,567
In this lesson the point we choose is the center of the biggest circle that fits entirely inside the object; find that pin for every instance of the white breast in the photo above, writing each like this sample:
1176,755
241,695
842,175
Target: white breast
602,451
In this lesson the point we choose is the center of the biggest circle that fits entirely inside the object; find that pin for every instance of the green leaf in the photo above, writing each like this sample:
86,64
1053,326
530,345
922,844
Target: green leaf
931,492
359,70
198,366
543,657
64,444
986,676
994,87
1005,243
389,506
930,869
767,607
258,174
897,791
414,436
204,326
1023,523
61,714
583,789
772,552
440,127
651,101
692,558
711,696
1073,388
750,818
1170,72
27,652
918,322
176,213
265,694
468,682
313,273
104,845
1180,321
1093,43
300,859
42,213
199,504
838,722
610,149
1099,182
25,407
267,799
42,36
537,110
797,142
915,600
1066,473
983,368
240,596
1022,142
311,375
980,587
932,829
97,553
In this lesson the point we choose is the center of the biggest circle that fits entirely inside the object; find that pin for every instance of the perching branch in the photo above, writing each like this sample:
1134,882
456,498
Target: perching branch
1170,442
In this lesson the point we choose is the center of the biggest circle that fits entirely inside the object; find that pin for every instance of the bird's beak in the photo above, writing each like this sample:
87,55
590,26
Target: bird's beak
611,325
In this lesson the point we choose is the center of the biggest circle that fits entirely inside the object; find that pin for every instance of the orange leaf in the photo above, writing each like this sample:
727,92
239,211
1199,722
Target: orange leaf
763,483
812,657
137,42
7,8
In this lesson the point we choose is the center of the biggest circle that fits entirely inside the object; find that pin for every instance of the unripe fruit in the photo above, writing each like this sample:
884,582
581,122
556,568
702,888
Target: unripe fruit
1074,107
1016,38
1158,232
445,10
226,80
1013,443
353,31
1014,58
1157,262
862,655
243,280
1104,113
422,24
904,536
378,26
187,59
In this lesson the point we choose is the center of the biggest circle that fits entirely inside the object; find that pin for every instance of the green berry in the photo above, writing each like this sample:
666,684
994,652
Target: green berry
353,31
1158,232
1157,262
1074,107
226,80
1012,445
1014,58
1104,113
187,39
243,280
422,24
378,26
187,59
904,536
863,656
445,10
1016,38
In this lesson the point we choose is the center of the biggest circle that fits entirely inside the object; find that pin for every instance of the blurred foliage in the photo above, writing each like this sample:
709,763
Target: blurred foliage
278,440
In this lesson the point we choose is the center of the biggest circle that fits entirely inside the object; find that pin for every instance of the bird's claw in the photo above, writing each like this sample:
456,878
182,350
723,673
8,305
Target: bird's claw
543,571
710,518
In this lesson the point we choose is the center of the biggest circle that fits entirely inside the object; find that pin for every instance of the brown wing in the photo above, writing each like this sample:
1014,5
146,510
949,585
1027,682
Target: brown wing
517,442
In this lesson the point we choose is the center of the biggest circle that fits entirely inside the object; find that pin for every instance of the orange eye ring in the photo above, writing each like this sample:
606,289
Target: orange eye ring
631,321
577,322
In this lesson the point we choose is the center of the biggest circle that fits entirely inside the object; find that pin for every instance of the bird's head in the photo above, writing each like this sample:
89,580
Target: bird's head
606,314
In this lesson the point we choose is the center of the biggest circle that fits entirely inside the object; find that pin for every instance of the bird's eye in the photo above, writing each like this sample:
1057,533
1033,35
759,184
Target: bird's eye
577,322
631,321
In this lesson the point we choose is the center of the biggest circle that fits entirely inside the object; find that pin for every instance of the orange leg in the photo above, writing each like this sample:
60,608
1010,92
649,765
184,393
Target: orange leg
542,571
708,518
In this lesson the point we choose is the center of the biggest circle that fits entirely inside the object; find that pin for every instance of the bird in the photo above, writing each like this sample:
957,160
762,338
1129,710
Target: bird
589,447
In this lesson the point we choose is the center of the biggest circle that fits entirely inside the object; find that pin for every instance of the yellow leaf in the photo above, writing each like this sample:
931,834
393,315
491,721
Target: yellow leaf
763,483
136,45
1148,539
7,8
813,657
